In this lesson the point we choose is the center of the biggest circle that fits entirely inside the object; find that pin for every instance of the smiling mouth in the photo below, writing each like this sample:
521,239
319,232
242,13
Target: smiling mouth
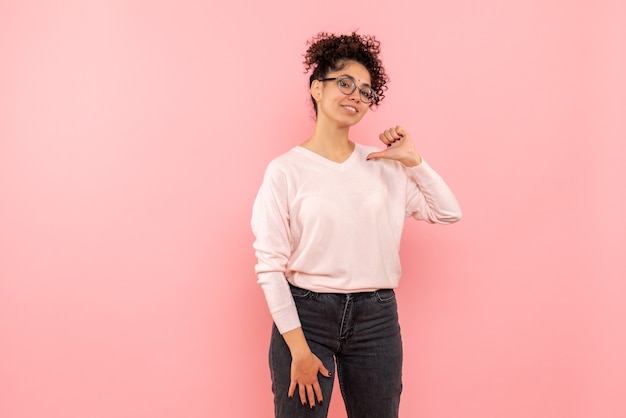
351,108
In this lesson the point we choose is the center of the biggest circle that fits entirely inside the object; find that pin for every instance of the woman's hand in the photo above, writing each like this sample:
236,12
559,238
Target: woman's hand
305,366
304,371
400,147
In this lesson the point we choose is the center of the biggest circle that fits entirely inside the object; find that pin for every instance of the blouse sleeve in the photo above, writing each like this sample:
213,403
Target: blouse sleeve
272,245
429,198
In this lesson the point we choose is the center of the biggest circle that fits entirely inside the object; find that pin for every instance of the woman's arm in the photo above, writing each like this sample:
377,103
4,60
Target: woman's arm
270,224
428,197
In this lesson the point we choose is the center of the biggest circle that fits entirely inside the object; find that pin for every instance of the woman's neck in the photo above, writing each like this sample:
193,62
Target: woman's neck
331,143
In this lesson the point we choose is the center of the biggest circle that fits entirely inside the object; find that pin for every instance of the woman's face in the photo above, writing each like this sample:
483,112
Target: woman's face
334,104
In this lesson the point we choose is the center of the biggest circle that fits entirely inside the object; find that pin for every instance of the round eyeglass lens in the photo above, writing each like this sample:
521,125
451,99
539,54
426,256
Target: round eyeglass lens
367,94
346,85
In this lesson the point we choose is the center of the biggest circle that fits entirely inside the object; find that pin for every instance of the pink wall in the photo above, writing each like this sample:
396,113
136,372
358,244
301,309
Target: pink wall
133,137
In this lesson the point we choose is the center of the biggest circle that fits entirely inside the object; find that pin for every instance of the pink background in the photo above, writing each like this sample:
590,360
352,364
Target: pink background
133,138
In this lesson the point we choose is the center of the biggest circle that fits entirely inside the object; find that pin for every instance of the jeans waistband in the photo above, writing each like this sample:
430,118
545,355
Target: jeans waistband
353,294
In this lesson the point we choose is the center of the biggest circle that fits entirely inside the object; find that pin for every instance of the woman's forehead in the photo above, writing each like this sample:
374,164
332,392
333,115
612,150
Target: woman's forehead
356,70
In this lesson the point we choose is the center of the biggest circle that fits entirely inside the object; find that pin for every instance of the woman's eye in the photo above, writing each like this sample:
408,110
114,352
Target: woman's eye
344,83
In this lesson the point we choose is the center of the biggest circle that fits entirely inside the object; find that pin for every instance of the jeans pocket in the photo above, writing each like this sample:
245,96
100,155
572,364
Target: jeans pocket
385,295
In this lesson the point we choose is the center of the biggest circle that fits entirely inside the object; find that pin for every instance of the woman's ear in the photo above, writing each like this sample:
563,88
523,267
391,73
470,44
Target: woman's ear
316,90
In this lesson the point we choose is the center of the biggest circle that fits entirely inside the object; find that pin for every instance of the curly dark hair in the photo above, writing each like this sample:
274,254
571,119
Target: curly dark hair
328,52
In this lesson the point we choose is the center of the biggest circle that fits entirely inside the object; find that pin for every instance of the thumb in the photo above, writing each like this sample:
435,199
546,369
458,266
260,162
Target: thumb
378,154
324,371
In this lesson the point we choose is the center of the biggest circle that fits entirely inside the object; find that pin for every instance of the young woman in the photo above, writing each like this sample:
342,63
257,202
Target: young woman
328,219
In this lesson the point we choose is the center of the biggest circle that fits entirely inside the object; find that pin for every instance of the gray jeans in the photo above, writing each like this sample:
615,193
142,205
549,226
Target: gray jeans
360,334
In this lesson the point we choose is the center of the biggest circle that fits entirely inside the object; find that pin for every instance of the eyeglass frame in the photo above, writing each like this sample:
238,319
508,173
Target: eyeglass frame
354,87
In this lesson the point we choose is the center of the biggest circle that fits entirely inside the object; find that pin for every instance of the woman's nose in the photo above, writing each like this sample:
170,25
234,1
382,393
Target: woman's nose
355,95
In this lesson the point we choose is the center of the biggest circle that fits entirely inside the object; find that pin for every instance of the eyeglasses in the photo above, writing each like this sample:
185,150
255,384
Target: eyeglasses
347,85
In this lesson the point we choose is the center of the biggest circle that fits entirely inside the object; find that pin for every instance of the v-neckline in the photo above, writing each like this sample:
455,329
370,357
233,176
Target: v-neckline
320,157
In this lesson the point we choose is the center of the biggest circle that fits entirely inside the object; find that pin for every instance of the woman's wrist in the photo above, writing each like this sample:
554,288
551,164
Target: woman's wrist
298,346
412,160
